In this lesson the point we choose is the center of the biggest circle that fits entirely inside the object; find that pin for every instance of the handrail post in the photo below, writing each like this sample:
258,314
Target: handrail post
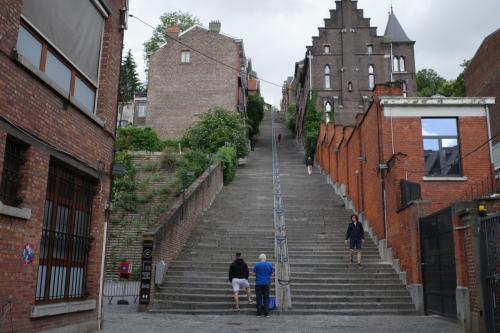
282,276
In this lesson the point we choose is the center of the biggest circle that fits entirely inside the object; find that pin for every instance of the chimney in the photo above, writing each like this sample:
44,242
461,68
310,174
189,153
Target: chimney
173,31
214,26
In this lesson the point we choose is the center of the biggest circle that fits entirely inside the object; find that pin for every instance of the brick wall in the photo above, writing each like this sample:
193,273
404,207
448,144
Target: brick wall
53,129
377,139
171,234
482,77
179,92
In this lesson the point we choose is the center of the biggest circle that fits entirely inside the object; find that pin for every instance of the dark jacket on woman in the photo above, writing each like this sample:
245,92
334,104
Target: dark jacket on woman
238,270
309,162
355,231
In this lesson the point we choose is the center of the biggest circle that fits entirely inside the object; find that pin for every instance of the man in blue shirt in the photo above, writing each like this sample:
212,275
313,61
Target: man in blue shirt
262,271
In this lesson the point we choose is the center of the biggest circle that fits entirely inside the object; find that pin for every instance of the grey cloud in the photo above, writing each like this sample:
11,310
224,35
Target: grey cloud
276,31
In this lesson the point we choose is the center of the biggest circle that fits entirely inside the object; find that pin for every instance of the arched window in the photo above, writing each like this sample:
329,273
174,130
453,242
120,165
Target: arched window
402,64
327,77
395,64
328,107
405,89
371,77
349,86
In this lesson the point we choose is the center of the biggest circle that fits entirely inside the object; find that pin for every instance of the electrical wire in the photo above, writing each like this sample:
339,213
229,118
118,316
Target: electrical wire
202,53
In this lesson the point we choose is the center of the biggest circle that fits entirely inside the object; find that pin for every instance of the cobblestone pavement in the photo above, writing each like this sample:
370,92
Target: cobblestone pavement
149,322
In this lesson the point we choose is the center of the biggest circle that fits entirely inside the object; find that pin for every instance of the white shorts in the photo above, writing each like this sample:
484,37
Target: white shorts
240,283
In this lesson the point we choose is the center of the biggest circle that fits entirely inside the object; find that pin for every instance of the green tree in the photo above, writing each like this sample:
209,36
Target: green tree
182,19
311,125
456,88
429,82
215,129
129,79
255,114
290,117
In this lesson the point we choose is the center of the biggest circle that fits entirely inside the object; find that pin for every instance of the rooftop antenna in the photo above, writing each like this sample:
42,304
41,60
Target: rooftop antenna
392,11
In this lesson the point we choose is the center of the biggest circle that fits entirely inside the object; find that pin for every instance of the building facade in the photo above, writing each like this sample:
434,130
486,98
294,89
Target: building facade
482,78
407,158
347,59
59,73
195,71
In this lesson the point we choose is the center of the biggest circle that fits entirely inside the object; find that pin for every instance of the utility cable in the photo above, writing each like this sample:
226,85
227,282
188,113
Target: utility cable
202,53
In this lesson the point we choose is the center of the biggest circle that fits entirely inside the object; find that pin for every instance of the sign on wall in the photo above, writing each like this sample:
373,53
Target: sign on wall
147,265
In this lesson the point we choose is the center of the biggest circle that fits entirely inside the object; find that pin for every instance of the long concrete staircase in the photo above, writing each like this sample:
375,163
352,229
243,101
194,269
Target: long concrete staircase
241,219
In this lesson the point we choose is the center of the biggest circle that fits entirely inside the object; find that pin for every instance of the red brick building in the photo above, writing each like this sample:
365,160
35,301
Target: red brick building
482,78
59,71
438,146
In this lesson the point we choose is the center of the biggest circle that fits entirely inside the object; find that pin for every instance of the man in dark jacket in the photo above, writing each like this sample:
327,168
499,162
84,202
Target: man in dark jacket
356,235
238,276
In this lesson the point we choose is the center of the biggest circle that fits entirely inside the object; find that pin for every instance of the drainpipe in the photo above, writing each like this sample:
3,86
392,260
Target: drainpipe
309,56
487,109
383,193
392,65
110,196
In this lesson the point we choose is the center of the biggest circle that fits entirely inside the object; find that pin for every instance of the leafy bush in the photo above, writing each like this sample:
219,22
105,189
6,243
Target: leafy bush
311,126
138,139
229,160
255,114
169,159
194,161
215,129
124,187
290,117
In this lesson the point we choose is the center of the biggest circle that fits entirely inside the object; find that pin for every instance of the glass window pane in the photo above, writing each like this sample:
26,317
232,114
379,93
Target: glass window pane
58,72
371,81
84,94
327,49
395,67
439,127
327,81
451,163
142,111
402,64
370,49
29,47
431,144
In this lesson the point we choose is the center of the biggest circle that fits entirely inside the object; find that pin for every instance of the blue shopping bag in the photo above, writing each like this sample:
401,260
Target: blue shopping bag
272,303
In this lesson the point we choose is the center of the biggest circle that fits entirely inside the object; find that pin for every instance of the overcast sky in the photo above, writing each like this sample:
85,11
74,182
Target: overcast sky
275,32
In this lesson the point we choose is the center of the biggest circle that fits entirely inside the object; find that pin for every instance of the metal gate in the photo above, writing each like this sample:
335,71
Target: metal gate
490,270
438,264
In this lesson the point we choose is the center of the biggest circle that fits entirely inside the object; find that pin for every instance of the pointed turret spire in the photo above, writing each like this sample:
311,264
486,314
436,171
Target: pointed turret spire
394,32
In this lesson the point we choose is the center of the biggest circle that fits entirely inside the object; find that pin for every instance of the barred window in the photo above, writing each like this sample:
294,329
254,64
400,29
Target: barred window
11,174
62,272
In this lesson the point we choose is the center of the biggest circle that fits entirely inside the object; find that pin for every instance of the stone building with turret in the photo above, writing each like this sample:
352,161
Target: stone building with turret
347,59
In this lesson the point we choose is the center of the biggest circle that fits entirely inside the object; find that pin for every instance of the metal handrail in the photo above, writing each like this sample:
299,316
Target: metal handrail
283,276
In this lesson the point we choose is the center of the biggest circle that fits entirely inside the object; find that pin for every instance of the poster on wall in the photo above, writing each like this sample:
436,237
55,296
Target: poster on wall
28,254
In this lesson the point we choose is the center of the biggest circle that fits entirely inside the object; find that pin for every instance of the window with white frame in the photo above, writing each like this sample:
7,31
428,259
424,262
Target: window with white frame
405,89
327,77
441,147
395,64
185,57
142,111
402,64
371,77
